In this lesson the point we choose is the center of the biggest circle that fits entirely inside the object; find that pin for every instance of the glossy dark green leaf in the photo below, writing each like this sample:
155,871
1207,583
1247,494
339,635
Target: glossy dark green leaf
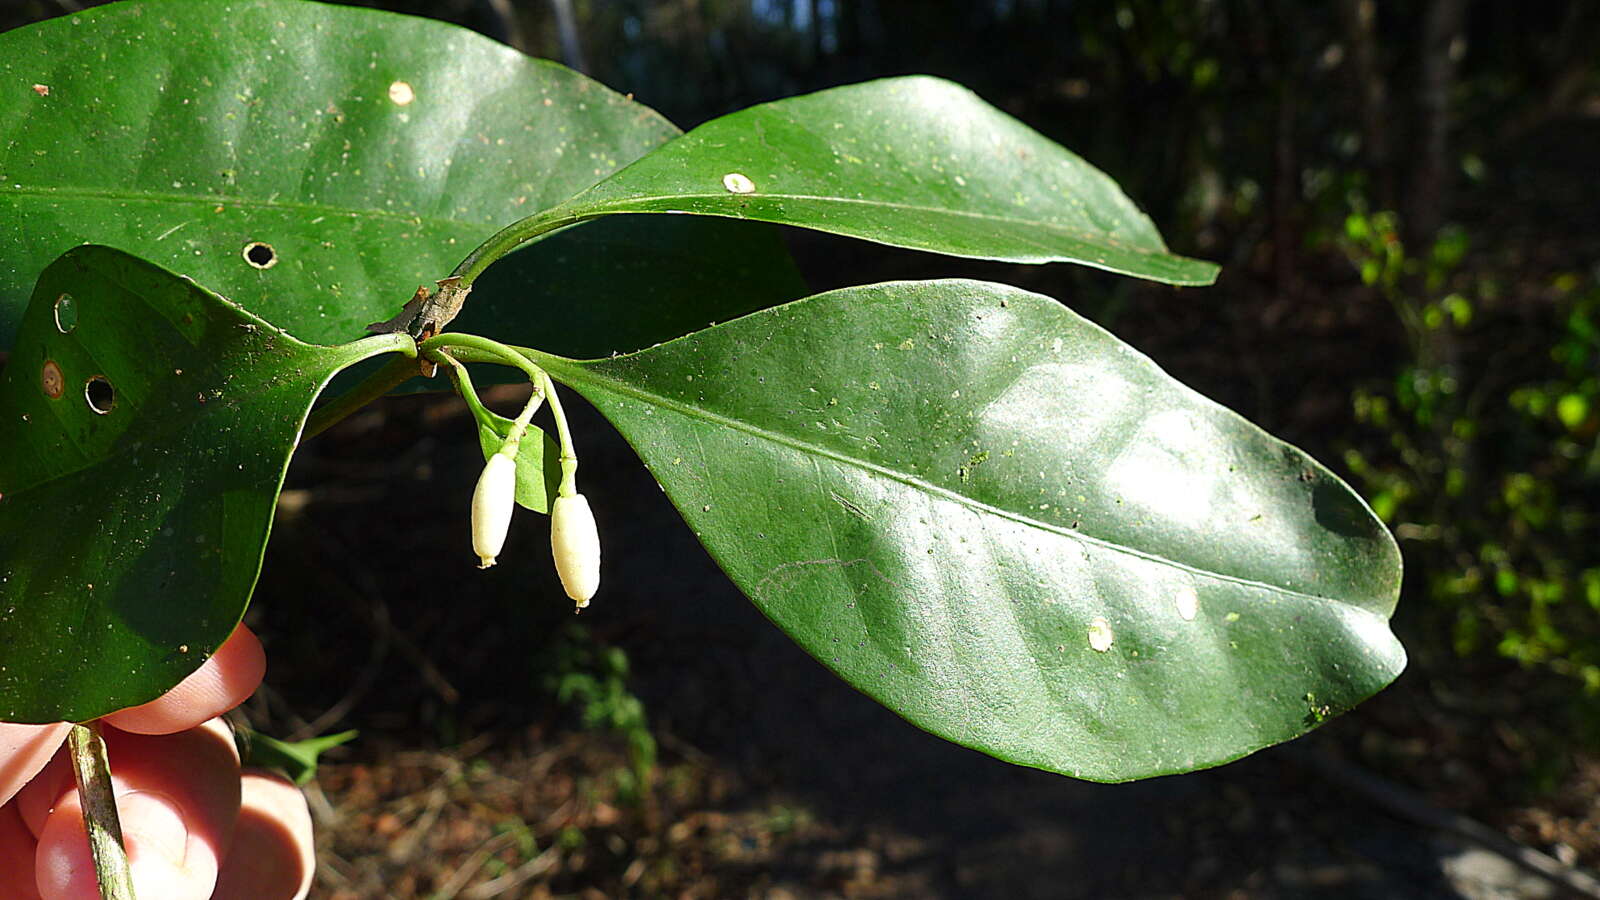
914,162
315,163
1011,528
141,453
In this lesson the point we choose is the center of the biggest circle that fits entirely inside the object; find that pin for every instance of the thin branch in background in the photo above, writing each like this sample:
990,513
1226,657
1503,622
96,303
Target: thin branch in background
567,28
1413,807
507,27
1571,72
1359,20
1442,46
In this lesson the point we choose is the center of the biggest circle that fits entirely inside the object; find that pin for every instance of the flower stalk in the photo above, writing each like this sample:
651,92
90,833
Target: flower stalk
574,539
494,499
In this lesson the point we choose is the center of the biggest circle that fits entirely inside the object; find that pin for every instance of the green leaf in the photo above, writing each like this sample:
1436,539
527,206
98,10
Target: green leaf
141,453
1011,528
370,151
538,461
913,162
297,759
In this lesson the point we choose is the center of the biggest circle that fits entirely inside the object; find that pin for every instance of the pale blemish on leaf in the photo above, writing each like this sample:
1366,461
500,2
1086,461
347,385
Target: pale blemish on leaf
401,93
1100,636
1188,603
738,184
51,380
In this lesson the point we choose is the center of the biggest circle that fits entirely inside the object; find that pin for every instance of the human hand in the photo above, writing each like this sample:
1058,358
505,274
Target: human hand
193,824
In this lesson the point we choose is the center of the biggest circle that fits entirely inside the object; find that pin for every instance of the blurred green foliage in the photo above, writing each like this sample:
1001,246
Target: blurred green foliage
1482,453
591,679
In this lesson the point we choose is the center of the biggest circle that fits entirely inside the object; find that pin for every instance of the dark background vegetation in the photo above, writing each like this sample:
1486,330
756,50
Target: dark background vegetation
1402,195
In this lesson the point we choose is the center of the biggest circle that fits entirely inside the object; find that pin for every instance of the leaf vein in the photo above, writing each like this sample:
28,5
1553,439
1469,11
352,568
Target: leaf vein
609,383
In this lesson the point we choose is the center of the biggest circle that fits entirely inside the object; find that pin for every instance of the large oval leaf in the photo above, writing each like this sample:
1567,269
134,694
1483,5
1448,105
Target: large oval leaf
370,152
914,162
147,426
1013,529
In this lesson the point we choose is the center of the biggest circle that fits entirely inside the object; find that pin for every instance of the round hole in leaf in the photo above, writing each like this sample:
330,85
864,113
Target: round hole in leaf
66,313
51,380
260,254
100,395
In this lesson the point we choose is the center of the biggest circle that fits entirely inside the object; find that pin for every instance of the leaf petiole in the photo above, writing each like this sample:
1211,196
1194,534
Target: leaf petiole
397,371
507,239
92,772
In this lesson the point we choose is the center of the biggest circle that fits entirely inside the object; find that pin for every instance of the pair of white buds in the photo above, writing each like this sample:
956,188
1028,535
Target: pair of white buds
574,541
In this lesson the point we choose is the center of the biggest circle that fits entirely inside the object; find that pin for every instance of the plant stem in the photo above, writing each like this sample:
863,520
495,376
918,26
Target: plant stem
482,414
93,774
510,238
394,373
458,374
569,457
473,348
520,425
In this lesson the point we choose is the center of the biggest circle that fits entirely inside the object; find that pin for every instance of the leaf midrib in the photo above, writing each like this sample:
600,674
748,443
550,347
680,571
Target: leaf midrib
236,201
173,426
579,372
619,206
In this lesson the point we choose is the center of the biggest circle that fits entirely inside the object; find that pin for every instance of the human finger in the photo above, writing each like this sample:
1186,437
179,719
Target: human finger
222,682
17,848
272,856
177,799
24,750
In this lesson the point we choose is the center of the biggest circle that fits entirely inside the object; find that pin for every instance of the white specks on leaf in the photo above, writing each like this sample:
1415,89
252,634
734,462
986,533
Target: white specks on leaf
1100,636
401,93
738,184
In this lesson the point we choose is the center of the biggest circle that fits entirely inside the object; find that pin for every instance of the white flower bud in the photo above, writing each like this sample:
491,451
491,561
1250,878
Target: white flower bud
492,502
576,546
